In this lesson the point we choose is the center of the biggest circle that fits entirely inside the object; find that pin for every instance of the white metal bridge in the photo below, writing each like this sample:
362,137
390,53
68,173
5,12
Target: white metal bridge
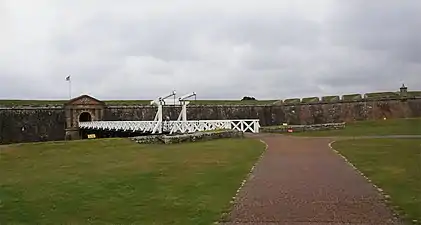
181,125
171,127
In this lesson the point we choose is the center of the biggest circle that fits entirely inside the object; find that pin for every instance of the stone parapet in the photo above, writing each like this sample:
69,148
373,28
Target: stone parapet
302,128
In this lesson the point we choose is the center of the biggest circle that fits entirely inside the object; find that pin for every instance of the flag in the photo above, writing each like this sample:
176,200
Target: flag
68,78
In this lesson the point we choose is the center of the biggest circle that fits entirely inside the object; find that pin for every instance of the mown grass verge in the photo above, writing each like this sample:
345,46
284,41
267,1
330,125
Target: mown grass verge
410,126
117,181
394,165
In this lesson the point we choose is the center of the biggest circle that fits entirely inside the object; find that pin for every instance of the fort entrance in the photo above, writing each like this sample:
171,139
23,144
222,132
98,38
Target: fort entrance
85,117
82,109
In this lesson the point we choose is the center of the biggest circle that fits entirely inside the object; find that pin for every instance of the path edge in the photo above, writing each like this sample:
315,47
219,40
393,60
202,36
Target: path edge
385,197
222,217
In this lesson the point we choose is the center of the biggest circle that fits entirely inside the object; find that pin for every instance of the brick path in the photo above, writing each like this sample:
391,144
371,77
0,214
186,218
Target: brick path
301,181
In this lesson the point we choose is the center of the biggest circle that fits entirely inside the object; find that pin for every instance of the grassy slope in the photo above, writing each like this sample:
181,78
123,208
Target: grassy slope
392,164
4,102
350,97
19,102
375,95
331,98
366,128
414,93
121,182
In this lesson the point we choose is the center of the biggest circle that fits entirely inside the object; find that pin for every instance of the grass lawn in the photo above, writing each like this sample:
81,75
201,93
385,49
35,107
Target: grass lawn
117,181
366,128
392,164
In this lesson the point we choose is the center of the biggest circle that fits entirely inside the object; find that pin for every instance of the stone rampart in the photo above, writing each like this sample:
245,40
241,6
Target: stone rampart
31,124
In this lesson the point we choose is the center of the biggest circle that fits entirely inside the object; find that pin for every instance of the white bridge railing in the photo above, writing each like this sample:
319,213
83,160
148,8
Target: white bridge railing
173,126
202,125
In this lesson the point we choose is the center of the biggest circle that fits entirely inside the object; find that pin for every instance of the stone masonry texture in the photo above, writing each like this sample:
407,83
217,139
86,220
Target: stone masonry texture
193,137
43,123
31,125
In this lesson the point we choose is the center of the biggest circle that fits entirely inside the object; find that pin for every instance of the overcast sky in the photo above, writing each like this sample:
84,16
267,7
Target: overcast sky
142,49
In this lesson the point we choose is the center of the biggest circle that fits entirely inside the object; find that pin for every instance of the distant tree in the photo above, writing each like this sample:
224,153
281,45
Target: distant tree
247,98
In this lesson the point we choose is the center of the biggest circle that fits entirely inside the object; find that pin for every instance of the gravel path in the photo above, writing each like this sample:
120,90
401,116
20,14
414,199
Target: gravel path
301,181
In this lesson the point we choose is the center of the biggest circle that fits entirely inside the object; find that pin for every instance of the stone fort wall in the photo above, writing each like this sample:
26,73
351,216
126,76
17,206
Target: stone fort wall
32,124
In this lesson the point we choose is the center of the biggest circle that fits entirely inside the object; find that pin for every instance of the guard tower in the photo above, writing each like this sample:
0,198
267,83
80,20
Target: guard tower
403,91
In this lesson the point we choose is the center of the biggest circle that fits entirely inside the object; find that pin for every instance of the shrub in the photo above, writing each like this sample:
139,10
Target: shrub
245,98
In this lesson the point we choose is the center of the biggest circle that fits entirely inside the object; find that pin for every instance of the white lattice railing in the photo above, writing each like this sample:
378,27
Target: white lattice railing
135,126
173,126
202,125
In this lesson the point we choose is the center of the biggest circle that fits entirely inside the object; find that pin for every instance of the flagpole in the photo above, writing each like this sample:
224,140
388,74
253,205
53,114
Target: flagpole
70,89
68,79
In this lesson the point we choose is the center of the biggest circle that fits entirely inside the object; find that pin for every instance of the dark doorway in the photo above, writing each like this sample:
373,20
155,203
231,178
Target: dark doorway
85,117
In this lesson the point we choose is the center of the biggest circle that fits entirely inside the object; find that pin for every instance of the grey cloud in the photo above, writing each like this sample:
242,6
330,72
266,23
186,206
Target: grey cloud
11,88
374,72
271,31
391,26
130,52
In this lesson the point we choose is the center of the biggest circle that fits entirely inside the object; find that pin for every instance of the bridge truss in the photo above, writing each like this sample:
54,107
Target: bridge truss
181,125
171,127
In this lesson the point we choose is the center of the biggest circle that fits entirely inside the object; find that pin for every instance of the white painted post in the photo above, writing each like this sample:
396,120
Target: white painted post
255,127
184,111
184,103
